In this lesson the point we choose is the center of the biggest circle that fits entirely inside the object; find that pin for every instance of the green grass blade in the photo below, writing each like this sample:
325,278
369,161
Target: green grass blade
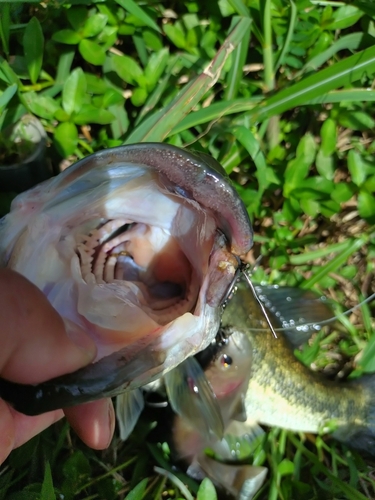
335,263
341,74
351,95
47,491
33,43
7,95
158,91
350,492
249,141
133,8
159,126
348,42
234,77
215,112
240,7
289,35
303,258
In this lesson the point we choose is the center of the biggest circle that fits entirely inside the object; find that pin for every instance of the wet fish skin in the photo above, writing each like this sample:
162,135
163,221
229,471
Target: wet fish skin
188,175
282,392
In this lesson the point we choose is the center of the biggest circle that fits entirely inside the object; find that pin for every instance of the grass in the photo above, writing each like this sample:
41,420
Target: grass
281,92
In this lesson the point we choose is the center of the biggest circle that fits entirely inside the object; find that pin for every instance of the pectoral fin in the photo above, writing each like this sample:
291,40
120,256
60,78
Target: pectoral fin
192,397
129,406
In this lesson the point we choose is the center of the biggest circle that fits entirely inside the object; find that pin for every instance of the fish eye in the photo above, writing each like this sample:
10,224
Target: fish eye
225,361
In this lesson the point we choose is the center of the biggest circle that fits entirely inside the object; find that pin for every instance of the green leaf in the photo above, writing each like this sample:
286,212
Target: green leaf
41,105
310,207
328,137
133,8
206,490
367,359
92,52
7,95
127,68
112,97
369,184
33,43
357,167
344,17
366,205
155,67
285,467
176,33
66,138
94,25
139,97
342,192
137,492
298,168
69,37
329,208
120,124
74,91
264,174
47,491
90,114
95,85
325,165
356,120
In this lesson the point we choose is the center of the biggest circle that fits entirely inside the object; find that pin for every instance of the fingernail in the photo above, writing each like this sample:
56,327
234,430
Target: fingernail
80,338
111,422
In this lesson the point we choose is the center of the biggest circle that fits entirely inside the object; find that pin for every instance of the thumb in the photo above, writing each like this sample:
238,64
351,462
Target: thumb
36,343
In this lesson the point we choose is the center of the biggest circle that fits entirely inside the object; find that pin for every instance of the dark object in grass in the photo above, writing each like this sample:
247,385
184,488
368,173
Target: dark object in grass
23,162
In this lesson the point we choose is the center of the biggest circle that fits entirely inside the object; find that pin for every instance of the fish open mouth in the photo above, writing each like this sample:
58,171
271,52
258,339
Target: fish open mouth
137,245
145,260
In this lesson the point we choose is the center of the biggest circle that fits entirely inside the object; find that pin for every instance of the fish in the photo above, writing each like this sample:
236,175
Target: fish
226,366
259,381
282,392
139,246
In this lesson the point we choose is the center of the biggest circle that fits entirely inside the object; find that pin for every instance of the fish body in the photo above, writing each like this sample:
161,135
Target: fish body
282,392
138,245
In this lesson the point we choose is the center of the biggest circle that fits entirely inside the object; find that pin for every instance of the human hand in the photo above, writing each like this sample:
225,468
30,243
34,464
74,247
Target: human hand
37,345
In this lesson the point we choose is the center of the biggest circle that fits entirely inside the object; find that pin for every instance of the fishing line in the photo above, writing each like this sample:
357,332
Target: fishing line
251,286
301,326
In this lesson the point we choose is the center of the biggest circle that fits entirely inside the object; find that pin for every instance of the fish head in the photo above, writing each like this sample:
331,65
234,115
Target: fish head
229,372
138,245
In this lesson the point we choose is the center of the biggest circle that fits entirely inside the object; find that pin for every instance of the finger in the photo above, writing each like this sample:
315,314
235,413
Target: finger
36,345
27,427
94,422
7,431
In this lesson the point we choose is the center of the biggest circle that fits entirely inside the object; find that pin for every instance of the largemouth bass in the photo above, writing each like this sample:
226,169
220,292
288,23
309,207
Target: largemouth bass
282,392
138,245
